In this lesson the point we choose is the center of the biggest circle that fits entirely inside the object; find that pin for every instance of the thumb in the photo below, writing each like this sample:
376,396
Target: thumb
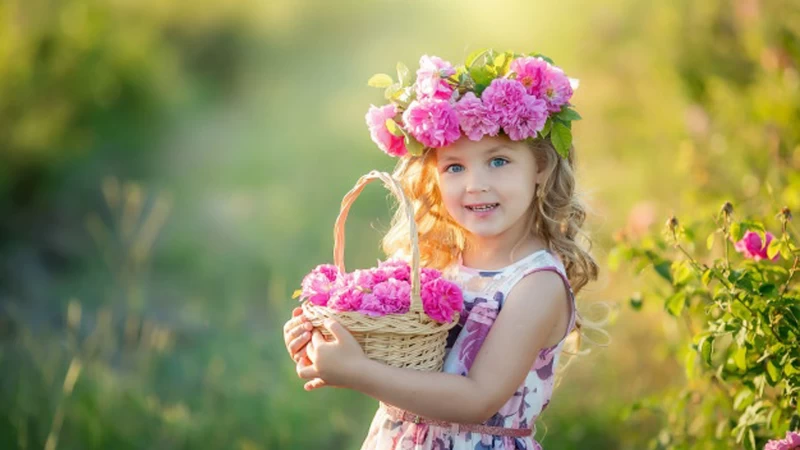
338,330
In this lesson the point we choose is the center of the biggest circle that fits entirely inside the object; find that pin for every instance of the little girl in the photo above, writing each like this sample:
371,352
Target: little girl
494,196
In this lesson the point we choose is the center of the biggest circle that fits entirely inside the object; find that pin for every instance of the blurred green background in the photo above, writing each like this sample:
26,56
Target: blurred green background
170,170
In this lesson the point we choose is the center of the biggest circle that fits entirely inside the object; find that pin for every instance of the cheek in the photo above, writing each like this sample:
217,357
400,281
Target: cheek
450,196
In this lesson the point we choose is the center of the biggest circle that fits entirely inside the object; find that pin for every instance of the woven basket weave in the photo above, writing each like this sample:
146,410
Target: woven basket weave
411,340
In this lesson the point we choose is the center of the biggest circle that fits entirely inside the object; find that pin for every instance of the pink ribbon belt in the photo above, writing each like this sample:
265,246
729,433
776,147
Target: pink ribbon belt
401,414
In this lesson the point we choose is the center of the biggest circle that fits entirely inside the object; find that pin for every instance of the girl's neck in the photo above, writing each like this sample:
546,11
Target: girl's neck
490,255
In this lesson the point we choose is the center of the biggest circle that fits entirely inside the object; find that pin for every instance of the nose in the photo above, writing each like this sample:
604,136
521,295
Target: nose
477,182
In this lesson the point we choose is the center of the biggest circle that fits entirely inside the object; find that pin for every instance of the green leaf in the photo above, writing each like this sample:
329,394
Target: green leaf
743,399
706,348
737,232
392,90
413,146
380,80
394,128
773,371
403,74
482,74
750,443
767,289
561,137
706,278
472,57
663,269
675,303
547,127
740,358
682,273
710,240
568,114
774,248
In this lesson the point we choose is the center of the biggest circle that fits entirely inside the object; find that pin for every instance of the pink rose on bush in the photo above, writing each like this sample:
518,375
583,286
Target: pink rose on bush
751,246
386,141
791,442
441,299
474,118
431,76
318,285
432,122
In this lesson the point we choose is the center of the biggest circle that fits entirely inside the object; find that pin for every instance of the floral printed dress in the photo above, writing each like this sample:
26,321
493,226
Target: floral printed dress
484,294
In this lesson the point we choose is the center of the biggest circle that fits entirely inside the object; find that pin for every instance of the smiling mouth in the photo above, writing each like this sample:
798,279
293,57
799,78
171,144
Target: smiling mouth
482,208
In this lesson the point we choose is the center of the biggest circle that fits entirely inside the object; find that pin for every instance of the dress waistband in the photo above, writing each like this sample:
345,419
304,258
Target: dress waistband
401,414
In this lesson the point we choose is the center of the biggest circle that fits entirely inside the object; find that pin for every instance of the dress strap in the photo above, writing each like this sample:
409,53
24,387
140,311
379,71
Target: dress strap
548,263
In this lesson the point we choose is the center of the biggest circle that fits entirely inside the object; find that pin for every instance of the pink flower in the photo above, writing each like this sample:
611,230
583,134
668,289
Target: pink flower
432,122
347,299
318,285
504,100
431,76
555,89
371,305
441,299
390,297
386,141
751,247
530,121
530,72
474,118
791,442
428,275
364,279
395,296
396,268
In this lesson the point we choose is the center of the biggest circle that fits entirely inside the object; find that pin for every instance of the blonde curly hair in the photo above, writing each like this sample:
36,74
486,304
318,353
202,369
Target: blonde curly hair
556,216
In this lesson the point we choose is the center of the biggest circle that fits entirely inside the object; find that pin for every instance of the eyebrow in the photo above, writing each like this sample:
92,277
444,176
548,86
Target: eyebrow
491,151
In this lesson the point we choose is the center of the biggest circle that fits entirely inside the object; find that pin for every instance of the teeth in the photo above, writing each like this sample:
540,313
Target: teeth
482,207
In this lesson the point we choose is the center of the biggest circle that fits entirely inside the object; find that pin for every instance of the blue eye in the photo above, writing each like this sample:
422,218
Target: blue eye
503,162
454,166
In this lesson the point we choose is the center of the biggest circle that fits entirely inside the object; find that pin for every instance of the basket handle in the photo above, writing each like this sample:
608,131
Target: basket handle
338,230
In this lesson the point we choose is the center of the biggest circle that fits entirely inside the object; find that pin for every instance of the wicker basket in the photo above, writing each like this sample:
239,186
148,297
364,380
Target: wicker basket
411,340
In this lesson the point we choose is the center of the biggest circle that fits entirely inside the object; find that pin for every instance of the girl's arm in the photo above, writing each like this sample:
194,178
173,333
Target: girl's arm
522,328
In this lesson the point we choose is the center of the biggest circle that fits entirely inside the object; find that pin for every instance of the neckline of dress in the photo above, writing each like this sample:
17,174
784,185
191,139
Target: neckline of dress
502,269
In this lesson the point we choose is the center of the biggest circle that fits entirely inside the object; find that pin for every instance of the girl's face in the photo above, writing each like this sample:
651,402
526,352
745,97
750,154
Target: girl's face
487,186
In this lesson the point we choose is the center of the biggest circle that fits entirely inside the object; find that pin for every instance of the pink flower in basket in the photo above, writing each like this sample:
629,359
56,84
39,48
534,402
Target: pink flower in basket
441,299
318,284
389,297
382,290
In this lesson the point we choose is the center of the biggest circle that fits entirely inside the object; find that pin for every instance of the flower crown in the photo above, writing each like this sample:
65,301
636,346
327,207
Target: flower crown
524,96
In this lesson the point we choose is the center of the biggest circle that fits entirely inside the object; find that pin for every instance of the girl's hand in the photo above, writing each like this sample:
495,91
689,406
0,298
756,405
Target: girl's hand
296,334
332,363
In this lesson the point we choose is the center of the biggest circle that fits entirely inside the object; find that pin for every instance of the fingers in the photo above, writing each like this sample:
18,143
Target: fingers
316,383
295,321
317,339
306,371
299,342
